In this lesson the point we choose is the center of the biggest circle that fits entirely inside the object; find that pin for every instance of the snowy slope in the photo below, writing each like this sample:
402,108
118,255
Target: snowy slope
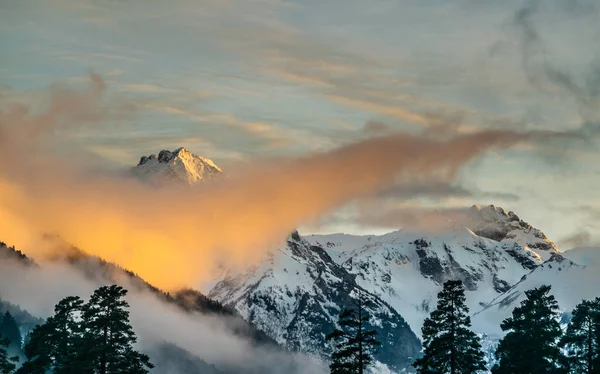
406,269
176,167
574,276
296,295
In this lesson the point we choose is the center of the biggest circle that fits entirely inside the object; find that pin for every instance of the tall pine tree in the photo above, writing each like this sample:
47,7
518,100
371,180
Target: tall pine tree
39,351
108,335
7,363
449,344
56,345
531,344
10,330
354,341
92,338
582,338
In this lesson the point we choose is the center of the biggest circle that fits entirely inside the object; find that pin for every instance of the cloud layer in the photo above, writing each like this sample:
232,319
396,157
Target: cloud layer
174,238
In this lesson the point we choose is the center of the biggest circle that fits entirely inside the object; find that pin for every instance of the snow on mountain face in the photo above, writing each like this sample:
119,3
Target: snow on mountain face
403,269
407,269
176,167
296,296
497,224
573,276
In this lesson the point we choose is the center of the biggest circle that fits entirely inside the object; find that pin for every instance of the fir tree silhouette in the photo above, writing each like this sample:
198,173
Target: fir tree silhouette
582,338
354,341
533,331
449,344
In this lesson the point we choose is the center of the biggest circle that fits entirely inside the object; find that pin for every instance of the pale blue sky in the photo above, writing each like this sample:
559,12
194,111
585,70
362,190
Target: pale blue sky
233,80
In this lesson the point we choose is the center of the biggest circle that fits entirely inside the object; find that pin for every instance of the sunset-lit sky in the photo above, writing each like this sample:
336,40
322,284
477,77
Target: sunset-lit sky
238,80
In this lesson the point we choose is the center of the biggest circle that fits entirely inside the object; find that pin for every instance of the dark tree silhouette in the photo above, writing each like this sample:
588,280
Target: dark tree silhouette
531,344
39,351
354,341
7,363
10,330
55,345
582,338
108,335
92,338
449,344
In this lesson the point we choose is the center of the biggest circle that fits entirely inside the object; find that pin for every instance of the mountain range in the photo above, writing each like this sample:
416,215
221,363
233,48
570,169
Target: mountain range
291,300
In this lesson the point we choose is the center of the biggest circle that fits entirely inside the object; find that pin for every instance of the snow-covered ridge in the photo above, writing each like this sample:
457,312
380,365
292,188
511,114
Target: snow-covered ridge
489,222
296,295
176,167
406,269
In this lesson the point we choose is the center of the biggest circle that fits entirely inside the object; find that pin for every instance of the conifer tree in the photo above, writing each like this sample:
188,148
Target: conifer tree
92,338
582,338
108,335
56,344
38,351
449,344
7,363
67,334
354,341
10,330
531,344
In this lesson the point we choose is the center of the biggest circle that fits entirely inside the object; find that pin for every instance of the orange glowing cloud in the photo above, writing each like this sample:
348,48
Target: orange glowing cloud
173,237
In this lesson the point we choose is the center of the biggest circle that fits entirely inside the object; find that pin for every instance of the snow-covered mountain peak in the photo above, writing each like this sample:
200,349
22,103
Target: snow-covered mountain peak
493,214
179,166
494,222
295,294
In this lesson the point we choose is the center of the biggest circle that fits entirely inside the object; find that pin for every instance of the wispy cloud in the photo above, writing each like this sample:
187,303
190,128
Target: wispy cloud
261,78
87,57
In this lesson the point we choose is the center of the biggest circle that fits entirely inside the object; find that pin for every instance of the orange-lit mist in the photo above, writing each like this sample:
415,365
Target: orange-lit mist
174,238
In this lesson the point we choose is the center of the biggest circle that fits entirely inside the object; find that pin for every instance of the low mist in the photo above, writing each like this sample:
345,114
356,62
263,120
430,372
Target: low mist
208,337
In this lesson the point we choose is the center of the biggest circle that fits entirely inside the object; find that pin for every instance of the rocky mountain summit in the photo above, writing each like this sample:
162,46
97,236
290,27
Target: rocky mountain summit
176,167
495,223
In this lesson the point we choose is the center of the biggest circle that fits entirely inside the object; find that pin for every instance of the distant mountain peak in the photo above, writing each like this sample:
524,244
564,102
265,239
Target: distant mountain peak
179,167
493,212
496,223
